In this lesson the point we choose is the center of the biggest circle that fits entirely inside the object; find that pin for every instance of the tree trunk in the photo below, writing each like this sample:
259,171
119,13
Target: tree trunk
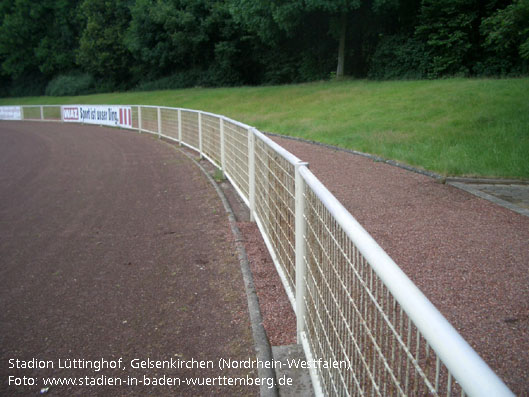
341,46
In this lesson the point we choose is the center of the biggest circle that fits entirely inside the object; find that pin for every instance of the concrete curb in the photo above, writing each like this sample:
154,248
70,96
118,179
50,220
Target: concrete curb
488,181
262,345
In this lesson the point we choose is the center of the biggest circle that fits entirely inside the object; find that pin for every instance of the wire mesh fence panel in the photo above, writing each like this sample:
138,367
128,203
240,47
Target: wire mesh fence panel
275,205
190,128
169,122
354,323
31,113
236,153
51,112
134,116
149,119
211,137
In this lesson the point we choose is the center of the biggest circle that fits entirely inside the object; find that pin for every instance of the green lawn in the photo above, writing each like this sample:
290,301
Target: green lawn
477,127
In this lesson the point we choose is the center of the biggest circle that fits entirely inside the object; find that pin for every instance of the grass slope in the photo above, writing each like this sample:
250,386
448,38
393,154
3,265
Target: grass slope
477,127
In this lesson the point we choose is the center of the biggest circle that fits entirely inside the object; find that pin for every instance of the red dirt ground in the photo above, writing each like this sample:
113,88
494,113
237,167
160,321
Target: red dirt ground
113,246
469,256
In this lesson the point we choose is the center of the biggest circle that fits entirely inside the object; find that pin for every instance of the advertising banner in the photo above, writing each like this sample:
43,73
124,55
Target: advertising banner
10,113
116,116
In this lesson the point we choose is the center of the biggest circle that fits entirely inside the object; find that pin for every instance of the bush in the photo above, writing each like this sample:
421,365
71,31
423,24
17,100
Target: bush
447,28
399,57
29,85
187,79
506,41
70,85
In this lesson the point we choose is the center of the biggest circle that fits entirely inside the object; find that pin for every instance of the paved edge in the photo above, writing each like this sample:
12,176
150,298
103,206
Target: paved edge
262,346
469,188
487,181
301,380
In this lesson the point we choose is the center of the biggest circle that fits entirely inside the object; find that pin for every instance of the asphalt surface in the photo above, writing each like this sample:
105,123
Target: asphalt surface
114,250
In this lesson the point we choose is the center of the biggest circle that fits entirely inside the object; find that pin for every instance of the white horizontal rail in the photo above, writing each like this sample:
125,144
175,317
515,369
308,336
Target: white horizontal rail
277,148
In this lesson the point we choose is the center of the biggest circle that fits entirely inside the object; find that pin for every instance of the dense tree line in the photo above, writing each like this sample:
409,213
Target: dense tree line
62,47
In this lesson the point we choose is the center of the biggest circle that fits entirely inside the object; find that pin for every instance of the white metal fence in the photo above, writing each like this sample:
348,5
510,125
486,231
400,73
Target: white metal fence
354,305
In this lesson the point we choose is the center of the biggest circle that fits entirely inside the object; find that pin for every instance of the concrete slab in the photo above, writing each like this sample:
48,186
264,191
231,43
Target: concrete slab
301,383
516,194
512,196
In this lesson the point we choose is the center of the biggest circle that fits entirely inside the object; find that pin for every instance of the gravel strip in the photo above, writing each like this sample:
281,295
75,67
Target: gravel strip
469,256
279,319
262,344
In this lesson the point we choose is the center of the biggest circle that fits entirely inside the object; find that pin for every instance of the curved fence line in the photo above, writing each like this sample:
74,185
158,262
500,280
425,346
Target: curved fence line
366,329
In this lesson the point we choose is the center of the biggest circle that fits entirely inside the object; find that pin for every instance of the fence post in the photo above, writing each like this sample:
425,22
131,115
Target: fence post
180,126
300,250
200,134
251,172
41,112
139,119
222,147
159,115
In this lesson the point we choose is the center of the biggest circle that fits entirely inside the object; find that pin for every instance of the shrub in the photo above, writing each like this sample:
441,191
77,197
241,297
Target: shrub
506,40
28,85
187,79
70,85
399,57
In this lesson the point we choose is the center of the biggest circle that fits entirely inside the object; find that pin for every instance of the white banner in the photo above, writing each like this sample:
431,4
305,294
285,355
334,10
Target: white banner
117,116
10,113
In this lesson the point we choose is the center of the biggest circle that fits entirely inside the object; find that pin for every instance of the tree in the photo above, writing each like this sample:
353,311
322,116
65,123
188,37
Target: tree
446,27
269,19
338,11
506,37
37,40
196,39
20,34
167,35
55,51
102,51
